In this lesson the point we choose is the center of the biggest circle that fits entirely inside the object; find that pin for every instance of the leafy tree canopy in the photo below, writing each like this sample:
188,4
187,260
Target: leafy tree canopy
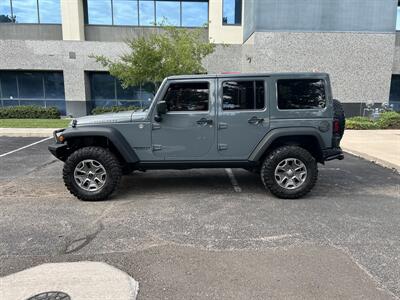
173,51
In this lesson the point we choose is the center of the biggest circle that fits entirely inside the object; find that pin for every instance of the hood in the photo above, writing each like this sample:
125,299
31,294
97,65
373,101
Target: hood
119,117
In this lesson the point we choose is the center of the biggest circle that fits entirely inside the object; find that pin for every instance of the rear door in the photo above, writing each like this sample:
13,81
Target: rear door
243,116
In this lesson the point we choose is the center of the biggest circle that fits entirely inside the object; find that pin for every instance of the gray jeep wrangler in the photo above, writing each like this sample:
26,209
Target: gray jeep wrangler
278,125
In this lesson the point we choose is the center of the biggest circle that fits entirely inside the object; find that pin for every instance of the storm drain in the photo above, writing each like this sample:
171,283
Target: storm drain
51,296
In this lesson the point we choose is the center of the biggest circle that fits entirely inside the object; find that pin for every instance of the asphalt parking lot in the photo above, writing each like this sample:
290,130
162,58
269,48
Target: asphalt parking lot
194,235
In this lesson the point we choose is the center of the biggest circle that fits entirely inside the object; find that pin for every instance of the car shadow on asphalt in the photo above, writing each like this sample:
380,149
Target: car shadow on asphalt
352,176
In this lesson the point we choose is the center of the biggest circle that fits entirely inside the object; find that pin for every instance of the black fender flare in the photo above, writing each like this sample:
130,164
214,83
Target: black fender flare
274,134
110,133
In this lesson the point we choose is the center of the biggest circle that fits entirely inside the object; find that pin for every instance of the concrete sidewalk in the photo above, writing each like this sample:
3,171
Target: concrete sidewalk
379,146
27,132
74,280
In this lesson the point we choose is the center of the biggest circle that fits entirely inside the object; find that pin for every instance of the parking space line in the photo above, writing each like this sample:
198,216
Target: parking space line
27,146
234,182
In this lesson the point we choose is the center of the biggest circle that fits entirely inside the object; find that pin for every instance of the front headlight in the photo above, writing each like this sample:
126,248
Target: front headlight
58,136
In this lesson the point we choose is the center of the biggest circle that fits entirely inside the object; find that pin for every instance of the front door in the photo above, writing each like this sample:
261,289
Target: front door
187,130
243,117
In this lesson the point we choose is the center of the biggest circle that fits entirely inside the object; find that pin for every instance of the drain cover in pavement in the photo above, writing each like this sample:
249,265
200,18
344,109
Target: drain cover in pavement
51,296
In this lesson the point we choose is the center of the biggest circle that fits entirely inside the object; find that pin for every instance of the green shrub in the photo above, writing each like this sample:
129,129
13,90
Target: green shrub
359,125
389,120
29,112
103,110
360,119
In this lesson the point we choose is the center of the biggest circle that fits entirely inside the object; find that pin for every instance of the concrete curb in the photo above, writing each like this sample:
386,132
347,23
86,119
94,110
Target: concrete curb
27,132
79,280
379,162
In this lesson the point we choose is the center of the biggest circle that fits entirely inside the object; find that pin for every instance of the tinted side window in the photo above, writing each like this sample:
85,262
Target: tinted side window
301,94
191,96
243,95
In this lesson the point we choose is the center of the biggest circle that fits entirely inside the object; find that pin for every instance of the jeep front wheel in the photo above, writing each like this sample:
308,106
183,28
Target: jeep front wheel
289,172
92,173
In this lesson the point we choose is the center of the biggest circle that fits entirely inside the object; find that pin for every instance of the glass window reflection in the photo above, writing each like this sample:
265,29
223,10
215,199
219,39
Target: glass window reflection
50,11
398,18
8,81
25,11
99,12
30,86
5,12
125,12
125,94
106,90
188,13
168,12
194,14
232,12
54,85
102,87
146,13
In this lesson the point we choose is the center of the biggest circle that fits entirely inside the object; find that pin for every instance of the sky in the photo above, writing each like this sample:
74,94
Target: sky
398,19
26,11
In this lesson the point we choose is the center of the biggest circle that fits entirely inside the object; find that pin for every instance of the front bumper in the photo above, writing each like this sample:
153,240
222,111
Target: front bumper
333,153
59,150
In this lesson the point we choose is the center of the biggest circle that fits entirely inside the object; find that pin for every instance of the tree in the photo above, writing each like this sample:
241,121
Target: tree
174,51
7,19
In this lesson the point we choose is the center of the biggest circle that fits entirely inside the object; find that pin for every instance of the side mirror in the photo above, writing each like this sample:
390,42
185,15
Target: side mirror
161,108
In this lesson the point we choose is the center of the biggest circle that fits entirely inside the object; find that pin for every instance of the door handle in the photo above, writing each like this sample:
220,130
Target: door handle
204,121
255,120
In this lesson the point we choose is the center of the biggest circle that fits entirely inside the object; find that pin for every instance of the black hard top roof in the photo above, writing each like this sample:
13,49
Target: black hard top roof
241,75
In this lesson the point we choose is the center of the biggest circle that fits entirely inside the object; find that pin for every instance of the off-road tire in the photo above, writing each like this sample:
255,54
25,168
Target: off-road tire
338,113
110,164
275,157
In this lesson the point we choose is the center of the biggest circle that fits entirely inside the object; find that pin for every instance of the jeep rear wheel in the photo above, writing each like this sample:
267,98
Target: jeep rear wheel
92,173
289,172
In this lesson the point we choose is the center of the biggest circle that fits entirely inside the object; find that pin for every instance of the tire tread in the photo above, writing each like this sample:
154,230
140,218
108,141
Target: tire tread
108,160
269,165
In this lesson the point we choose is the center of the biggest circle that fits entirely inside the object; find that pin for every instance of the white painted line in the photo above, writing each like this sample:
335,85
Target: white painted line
234,182
27,146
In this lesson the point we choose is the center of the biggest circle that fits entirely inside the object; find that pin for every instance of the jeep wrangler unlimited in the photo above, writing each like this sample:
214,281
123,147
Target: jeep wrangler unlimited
278,125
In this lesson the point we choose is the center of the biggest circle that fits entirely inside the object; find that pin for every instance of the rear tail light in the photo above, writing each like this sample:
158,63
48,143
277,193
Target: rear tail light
336,127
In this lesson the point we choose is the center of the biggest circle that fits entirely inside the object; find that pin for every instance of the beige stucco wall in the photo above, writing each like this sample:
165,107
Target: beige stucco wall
222,34
73,24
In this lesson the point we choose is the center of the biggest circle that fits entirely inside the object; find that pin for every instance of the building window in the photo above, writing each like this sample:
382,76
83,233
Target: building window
125,12
30,11
301,94
5,12
398,16
180,13
194,14
232,12
100,12
243,95
107,91
32,88
147,13
169,11
49,11
395,91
